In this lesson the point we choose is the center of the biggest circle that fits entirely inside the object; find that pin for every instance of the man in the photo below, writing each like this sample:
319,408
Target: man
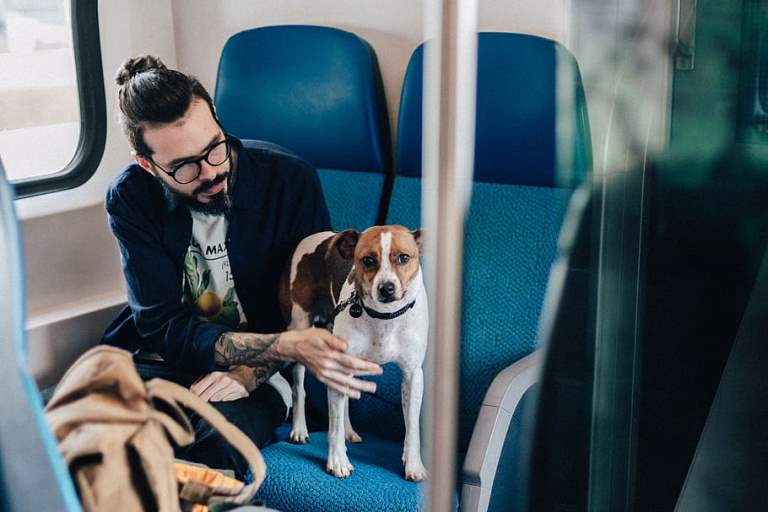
205,226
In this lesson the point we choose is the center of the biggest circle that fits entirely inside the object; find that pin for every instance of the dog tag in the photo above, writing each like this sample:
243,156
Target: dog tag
356,310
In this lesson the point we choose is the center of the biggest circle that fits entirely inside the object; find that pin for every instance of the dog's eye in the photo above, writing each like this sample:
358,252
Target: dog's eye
403,259
368,261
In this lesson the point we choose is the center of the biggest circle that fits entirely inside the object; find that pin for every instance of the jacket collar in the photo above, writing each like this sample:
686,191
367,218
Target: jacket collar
245,181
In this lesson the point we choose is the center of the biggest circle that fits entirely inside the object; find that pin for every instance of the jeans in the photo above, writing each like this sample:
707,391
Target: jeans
257,415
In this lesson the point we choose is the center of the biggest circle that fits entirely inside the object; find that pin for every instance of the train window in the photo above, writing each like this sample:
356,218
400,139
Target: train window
53,121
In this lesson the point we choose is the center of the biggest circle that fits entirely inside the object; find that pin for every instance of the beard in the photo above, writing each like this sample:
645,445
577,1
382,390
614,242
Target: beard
218,204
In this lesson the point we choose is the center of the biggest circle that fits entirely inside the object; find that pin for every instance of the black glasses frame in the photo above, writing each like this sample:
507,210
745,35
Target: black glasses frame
196,161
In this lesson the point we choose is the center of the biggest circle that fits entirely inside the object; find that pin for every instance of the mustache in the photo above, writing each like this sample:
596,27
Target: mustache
210,184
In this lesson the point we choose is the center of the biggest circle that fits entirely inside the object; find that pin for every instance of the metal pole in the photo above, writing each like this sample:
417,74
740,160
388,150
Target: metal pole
450,68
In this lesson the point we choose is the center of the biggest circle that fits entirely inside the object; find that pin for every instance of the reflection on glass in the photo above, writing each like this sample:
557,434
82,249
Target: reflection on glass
659,261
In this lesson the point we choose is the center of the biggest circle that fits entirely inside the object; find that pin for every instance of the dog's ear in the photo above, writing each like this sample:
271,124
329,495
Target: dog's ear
344,242
417,237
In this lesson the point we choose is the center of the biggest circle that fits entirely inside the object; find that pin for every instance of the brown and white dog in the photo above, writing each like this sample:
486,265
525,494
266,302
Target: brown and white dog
369,286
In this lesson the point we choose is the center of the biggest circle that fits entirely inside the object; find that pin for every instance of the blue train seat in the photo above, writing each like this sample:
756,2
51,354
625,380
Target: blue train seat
532,148
316,91
32,474
524,174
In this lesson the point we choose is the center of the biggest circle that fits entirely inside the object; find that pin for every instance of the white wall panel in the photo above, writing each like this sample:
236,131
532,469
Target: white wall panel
394,28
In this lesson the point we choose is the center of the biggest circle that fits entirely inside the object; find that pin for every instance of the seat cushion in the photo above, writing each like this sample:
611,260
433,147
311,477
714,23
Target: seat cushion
405,204
510,243
379,413
297,480
352,197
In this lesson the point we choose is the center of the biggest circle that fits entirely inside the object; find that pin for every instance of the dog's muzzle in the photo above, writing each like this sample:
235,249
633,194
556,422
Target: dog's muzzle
387,291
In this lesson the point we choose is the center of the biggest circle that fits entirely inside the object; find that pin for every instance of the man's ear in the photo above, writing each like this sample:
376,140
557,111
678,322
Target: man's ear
417,237
345,243
143,162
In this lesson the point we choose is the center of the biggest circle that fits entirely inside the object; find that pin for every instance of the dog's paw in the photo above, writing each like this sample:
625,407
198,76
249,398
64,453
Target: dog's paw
353,437
299,436
339,466
415,472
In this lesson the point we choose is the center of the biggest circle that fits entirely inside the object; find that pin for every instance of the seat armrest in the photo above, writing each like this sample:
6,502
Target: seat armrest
490,431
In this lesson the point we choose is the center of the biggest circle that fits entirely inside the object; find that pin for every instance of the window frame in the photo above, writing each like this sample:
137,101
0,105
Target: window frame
93,117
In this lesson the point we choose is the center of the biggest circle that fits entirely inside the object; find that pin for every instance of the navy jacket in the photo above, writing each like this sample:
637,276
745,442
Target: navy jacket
277,201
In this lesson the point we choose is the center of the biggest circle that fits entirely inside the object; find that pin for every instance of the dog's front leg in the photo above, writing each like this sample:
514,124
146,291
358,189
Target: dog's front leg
349,433
338,464
411,391
299,433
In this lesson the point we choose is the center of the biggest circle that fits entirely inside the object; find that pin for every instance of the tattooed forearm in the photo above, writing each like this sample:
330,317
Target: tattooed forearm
263,373
253,377
246,348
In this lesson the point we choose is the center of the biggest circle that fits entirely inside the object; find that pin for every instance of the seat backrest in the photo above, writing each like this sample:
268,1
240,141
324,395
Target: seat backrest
33,475
318,92
532,147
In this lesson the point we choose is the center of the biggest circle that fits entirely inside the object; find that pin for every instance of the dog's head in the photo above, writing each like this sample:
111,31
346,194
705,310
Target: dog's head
386,260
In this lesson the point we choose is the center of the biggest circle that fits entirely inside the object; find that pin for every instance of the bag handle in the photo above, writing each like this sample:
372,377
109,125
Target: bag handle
171,392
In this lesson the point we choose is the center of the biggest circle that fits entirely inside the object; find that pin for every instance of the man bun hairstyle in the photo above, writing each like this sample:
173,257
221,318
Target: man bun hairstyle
136,65
150,94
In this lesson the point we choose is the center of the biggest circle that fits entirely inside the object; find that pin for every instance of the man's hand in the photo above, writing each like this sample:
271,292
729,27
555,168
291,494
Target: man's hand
224,386
317,349
323,354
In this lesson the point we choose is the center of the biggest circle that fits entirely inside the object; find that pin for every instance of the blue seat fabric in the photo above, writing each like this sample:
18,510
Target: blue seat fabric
316,91
297,481
531,118
379,413
353,197
510,243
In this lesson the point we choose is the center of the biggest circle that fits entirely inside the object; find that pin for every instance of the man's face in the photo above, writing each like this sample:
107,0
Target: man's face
189,138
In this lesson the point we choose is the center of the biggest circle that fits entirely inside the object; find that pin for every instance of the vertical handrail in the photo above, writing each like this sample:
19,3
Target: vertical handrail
450,69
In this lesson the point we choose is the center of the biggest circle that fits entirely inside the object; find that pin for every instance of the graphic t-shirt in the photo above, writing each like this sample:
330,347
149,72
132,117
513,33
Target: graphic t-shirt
208,282
209,285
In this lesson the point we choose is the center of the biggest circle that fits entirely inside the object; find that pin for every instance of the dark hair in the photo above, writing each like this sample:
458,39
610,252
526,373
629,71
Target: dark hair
150,94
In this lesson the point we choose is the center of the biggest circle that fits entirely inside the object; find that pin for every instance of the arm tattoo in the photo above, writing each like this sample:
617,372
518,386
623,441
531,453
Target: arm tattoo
253,377
246,348
263,373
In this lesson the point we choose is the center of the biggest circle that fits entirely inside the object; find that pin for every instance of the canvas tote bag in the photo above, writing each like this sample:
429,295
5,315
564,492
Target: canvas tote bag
115,433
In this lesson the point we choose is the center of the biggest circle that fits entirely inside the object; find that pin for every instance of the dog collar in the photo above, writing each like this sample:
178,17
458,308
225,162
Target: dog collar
356,308
387,316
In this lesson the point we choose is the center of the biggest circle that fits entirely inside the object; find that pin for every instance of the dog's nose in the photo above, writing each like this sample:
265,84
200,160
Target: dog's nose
387,291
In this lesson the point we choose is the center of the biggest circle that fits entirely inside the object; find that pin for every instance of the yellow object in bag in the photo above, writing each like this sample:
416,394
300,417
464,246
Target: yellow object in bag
197,484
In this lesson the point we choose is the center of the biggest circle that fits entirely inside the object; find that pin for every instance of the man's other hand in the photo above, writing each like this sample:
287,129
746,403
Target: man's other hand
222,386
323,355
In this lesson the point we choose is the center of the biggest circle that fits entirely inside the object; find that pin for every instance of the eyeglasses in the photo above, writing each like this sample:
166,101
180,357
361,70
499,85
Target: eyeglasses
188,171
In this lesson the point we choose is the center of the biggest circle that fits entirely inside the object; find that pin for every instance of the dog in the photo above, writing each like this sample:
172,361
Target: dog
368,289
